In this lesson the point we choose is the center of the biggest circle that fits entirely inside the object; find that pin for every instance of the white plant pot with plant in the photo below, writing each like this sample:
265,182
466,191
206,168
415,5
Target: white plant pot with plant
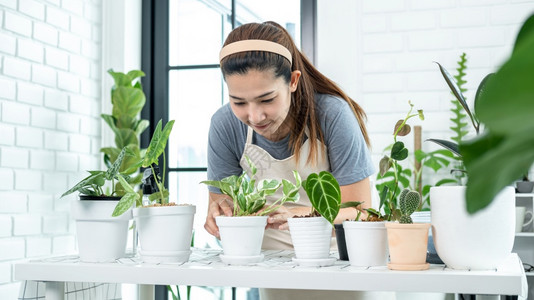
311,235
101,237
165,228
366,243
480,241
481,214
242,233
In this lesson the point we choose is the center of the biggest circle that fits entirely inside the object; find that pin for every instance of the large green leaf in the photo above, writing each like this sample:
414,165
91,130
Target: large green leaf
134,74
526,32
324,193
141,126
507,107
451,146
491,169
125,137
127,200
120,78
127,101
157,143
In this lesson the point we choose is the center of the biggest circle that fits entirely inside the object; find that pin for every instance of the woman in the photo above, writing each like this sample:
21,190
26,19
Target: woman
284,115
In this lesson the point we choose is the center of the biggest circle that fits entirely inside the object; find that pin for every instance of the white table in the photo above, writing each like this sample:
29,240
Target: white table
276,271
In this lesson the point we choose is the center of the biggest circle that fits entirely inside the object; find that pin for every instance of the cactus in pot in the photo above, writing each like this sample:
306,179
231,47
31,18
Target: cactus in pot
409,201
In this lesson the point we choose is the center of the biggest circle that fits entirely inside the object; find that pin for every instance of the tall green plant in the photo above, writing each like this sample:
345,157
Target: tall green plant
391,182
503,152
128,99
155,149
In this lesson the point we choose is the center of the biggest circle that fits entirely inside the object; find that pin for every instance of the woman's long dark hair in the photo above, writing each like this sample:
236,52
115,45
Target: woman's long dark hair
302,111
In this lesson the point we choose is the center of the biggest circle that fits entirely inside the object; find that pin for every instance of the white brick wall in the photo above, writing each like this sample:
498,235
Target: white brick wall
49,122
395,44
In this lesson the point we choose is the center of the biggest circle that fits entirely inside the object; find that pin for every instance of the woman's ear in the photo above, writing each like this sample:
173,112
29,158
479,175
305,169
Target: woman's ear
295,76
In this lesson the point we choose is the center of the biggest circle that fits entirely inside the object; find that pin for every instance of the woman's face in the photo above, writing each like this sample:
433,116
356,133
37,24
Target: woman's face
262,101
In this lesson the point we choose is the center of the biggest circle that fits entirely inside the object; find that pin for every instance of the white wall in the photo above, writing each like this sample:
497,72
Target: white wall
382,51
50,104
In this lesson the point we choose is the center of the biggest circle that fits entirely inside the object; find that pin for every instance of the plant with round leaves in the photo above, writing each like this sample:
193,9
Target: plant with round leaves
324,193
250,197
392,176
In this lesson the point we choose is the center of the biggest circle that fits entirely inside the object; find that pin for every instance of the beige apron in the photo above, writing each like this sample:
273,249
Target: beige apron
271,168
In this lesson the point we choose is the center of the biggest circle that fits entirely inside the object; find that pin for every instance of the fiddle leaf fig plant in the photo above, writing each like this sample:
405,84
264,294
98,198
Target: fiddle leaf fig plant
250,197
324,193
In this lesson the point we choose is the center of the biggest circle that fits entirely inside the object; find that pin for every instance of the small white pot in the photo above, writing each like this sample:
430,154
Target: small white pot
165,232
478,242
311,237
366,243
241,236
101,237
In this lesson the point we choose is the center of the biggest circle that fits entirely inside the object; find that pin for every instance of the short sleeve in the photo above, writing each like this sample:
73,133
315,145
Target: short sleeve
224,140
348,154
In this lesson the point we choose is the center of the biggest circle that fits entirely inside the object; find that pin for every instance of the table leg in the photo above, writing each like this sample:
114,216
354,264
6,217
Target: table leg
146,291
54,290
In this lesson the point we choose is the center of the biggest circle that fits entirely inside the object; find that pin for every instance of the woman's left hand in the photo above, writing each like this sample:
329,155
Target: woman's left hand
278,218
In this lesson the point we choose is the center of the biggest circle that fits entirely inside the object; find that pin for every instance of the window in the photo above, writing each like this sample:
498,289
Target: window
181,43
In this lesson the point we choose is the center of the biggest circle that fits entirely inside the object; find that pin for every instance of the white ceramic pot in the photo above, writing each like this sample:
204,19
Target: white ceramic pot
366,243
241,236
311,237
165,232
478,242
101,237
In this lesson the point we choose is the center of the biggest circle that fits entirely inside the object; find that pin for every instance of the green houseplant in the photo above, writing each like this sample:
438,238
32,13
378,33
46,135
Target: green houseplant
165,228
127,99
242,234
408,241
494,159
311,234
95,225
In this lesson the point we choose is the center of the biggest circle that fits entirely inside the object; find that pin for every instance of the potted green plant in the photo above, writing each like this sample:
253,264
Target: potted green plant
165,227
311,235
95,225
242,233
127,99
462,242
407,241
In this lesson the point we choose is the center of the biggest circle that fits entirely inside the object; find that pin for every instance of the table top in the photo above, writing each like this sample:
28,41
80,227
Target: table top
278,270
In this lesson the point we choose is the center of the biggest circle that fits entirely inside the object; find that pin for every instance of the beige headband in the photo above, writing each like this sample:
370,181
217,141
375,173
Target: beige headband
255,45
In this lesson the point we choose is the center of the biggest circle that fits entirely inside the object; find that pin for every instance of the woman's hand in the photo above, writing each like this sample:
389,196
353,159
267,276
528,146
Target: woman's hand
219,204
278,218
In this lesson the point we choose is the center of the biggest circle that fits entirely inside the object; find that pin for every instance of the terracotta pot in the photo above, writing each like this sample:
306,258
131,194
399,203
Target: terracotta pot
408,246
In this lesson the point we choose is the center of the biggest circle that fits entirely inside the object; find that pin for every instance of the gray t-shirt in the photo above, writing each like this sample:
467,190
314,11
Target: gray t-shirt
348,155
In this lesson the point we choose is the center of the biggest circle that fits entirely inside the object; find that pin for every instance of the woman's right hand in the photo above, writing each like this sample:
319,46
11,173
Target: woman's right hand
219,204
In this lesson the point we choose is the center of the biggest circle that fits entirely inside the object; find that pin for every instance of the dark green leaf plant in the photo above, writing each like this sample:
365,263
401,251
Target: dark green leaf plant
392,177
250,197
325,195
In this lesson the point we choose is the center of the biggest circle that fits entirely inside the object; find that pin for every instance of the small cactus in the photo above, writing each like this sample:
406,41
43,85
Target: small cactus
408,203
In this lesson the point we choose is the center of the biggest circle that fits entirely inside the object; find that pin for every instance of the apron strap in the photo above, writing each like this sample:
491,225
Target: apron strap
250,131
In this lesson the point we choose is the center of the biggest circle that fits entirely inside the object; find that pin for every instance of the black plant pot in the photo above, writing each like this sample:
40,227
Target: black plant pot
431,254
341,243
99,198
